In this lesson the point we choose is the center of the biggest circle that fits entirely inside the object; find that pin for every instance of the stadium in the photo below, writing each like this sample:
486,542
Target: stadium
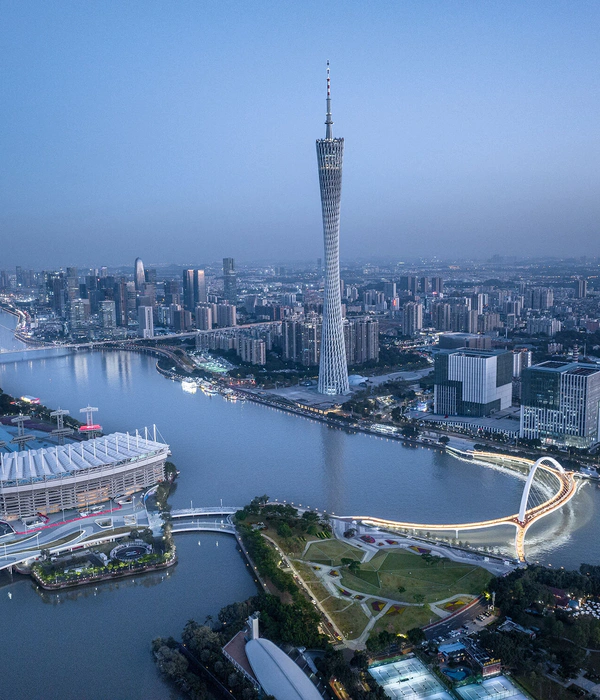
79,474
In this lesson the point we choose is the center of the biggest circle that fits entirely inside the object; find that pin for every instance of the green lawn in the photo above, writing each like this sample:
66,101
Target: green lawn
389,570
406,620
348,616
331,552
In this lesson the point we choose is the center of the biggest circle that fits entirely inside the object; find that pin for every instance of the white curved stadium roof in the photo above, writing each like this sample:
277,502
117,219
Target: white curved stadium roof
277,673
65,460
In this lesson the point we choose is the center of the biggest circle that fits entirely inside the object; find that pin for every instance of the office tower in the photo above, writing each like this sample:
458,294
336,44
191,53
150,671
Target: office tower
333,370
171,292
229,280
204,320
56,290
389,290
472,382
150,276
425,285
72,284
120,297
413,318
194,288
453,341
146,322
559,403
139,276
79,313
108,314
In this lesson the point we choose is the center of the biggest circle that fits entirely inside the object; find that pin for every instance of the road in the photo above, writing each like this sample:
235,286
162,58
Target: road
444,627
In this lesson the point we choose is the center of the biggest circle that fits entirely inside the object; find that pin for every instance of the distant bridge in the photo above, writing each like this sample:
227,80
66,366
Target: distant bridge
560,484
45,348
197,526
203,512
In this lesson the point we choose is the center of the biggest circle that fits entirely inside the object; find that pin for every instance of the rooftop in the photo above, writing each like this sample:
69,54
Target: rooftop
65,460
578,368
277,673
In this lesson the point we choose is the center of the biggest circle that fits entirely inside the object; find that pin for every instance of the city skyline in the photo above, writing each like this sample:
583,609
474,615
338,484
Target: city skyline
110,151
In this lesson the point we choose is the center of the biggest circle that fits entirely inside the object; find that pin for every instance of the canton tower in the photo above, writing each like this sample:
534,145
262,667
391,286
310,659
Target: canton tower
333,370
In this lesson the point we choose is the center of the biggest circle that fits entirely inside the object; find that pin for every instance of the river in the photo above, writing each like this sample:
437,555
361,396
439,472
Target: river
230,451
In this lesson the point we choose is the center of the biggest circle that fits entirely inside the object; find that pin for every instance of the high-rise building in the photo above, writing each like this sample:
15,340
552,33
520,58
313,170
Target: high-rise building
204,320
120,297
139,276
146,322
437,285
559,403
56,289
108,315
389,290
226,315
333,370
79,313
409,283
194,288
229,280
413,318
72,284
472,382
366,340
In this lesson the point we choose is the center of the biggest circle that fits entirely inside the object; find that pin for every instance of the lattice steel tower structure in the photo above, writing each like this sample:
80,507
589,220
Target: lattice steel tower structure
333,370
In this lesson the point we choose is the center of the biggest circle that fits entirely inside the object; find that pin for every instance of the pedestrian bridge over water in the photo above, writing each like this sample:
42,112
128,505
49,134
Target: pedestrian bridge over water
553,489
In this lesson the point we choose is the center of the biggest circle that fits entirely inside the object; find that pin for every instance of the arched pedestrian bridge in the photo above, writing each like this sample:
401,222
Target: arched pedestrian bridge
548,487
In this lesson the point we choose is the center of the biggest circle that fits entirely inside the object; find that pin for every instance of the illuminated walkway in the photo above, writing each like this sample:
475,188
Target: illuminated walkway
564,487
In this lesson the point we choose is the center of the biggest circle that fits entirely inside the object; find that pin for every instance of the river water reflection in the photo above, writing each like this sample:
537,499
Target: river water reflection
234,451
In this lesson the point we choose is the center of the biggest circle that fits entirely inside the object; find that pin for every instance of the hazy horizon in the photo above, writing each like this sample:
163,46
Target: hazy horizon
186,131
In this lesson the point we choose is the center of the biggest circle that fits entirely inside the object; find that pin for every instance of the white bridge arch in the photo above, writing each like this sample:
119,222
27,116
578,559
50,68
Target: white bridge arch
528,483
566,487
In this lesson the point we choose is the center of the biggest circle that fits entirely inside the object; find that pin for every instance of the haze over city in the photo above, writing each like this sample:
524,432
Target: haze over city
185,132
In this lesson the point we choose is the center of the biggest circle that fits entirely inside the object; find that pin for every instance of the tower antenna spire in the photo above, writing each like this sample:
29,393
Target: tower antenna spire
328,119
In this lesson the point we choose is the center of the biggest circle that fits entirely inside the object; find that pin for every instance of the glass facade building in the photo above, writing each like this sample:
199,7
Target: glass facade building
560,403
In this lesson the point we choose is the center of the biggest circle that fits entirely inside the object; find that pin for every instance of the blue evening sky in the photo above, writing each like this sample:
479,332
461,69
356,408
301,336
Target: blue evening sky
184,131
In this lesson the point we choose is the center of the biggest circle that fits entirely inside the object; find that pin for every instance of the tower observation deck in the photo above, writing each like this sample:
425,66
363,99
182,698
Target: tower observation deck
333,370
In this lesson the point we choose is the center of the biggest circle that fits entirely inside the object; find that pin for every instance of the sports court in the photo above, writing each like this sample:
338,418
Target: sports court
491,689
408,679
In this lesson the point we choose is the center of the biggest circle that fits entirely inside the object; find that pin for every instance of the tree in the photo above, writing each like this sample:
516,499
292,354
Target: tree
444,439
419,598
284,530
354,566
416,635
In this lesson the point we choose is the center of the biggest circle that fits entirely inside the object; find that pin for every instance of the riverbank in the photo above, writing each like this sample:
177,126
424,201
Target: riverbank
133,570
